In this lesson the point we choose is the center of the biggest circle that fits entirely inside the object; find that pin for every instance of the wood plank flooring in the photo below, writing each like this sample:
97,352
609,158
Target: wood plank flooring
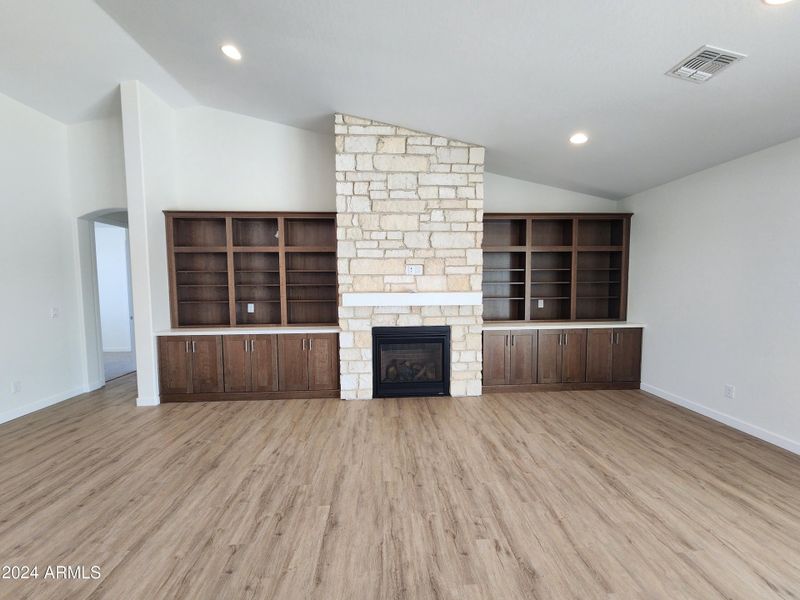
548,495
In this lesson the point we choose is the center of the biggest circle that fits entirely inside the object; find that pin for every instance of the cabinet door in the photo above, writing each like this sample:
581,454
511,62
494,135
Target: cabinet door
264,363
323,361
598,355
292,362
495,357
522,352
207,372
174,365
236,359
627,355
573,358
549,356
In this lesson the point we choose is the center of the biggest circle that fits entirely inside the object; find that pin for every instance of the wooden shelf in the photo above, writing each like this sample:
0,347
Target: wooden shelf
196,249
550,249
505,248
502,270
575,262
262,259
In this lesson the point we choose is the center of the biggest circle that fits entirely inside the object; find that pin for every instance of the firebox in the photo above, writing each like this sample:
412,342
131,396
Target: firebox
410,361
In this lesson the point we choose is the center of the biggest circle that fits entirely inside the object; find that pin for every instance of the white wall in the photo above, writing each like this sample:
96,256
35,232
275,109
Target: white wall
715,275
506,194
37,262
112,284
96,165
226,161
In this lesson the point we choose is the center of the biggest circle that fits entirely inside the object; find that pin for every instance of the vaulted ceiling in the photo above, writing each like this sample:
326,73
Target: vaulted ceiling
518,76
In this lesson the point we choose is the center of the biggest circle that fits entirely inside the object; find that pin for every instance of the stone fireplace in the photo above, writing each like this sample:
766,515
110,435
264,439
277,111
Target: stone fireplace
409,232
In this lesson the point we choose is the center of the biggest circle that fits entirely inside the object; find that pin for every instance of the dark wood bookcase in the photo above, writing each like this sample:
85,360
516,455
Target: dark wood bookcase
230,269
555,267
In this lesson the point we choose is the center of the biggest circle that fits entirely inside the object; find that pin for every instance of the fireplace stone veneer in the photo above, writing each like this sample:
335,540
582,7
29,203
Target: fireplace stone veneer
407,198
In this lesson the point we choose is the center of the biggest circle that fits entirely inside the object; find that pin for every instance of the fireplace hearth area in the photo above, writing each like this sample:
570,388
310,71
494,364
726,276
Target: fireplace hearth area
411,361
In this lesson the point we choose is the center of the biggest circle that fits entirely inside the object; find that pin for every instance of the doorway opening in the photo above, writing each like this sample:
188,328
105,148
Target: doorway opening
115,302
104,262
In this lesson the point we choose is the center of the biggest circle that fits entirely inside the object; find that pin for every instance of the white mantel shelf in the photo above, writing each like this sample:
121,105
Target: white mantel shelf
248,330
412,299
515,325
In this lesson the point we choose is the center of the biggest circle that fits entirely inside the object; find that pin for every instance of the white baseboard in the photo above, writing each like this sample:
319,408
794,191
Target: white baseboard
26,409
754,430
142,401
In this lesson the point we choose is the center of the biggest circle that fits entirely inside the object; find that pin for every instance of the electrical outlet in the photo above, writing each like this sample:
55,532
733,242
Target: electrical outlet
413,269
16,387
54,312
251,307
730,391
540,303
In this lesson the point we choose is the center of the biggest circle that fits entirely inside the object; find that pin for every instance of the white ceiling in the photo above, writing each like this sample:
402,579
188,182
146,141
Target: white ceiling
518,76
66,58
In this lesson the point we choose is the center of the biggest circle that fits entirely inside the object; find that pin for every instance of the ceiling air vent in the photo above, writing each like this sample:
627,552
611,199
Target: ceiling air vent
705,63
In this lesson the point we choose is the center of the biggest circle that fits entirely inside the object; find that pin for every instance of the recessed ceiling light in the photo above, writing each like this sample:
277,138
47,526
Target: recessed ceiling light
579,138
776,2
231,52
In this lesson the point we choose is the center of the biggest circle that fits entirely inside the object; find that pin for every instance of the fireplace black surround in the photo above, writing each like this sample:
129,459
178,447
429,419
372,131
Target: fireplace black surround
410,361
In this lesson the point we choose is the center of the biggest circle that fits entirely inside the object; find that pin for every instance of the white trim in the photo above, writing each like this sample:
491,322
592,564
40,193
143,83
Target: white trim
754,430
412,299
26,409
128,349
142,401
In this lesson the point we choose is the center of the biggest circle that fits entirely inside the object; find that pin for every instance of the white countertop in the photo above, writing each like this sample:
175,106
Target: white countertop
509,325
248,330
491,326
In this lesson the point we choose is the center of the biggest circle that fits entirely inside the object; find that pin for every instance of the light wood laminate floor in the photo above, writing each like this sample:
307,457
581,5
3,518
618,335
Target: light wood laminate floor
548,495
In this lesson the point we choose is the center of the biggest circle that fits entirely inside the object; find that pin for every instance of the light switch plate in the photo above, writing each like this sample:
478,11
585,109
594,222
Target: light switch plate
413,269
251,308
540,303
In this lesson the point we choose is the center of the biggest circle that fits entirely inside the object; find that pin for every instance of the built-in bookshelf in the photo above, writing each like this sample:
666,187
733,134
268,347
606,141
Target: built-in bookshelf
249,269
555,267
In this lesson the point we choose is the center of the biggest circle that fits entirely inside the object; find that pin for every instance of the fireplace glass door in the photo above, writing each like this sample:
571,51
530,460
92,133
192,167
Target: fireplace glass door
411,361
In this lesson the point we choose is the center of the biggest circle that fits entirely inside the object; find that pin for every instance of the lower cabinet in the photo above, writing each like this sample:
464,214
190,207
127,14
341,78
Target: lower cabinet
562,358
190,364
240,367
251,363
614,355
308,362
509,357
